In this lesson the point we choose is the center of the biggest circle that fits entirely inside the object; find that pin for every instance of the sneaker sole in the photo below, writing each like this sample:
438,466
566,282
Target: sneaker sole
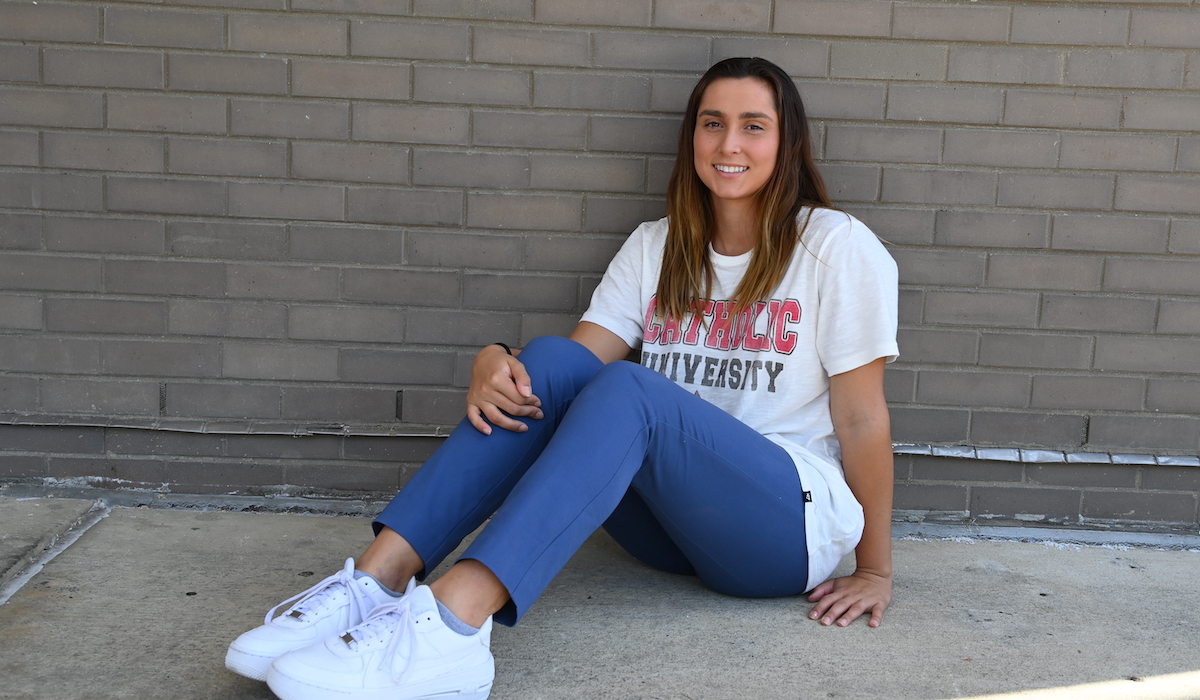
287,688
248,665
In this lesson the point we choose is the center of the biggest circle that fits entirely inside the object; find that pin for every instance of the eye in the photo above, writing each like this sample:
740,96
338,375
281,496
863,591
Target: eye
754,127
712,124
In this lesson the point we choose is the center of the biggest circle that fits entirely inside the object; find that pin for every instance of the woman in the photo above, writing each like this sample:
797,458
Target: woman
764,317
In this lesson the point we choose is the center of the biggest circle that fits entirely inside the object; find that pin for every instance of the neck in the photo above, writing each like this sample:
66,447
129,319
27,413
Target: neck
733,232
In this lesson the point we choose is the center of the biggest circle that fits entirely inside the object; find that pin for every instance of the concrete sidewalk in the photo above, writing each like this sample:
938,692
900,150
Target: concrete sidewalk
143,603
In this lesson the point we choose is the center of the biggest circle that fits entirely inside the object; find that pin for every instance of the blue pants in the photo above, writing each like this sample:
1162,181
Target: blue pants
679,483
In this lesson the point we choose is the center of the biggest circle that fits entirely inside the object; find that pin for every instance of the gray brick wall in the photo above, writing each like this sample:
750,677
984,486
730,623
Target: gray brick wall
292,210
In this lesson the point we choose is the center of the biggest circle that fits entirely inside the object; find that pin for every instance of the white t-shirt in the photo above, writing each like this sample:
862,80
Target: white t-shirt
834,311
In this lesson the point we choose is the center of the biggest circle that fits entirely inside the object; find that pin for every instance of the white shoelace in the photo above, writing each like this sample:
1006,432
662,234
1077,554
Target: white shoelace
318,595
396,619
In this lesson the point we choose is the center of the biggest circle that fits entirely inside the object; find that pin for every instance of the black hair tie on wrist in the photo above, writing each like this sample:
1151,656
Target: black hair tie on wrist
506,348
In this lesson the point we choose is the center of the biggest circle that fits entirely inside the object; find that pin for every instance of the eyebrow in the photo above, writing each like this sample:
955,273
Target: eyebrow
743,115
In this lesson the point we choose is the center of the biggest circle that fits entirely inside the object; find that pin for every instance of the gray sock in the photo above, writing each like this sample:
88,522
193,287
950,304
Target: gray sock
385,589
454,623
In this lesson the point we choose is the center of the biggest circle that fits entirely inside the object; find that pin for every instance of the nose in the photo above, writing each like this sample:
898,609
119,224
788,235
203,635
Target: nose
731,141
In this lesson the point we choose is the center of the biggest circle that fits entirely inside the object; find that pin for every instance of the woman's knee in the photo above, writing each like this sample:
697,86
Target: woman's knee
549,355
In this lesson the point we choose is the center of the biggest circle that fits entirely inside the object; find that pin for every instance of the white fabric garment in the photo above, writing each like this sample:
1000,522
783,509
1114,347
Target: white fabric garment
835,310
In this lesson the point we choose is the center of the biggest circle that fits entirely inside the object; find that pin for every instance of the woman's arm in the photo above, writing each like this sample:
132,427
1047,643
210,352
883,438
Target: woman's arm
860,419
500,387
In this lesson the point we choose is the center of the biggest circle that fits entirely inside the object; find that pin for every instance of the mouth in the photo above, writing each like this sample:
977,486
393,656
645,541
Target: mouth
732,169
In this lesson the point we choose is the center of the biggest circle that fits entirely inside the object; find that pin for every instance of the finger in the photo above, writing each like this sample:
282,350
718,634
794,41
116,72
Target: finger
821,609
499,419
521,379
834,612
477,420
876,616
853,613
820,591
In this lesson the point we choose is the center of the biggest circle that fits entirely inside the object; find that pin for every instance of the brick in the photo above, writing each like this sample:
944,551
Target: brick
19,148
1026,504
157,195
1144,432
1136,274
292,119
454,327
649,52
1173,396
478,9
1177,316
286,200
535,325
350,162
899,385
226,319
98,151
979,23
1056,190
940,267
670,93
245,157
889,144
958,388
49,22
174,113
1174,355
634,134
887,61
397,367
346,323
1042,351
530,46
658,174
109,472
949,469
1188,158
471,169
926,425
798,57
433,406
924,497
47,108
853,18
407,287
454,249
1001,148
376,479
279,362
408,39
240,74
102,68
1056,109
339,404
49,191
528,130
472,86
195,476
107,397
52,439
1185,236
51,356
405,206
106,316
162,359
1135,69
281,282
1069,25
18,394
353,7
991,229
160,27
20,231
519,292
371,81
621,13
163,278
1093,313
1150,27
911,305
49,272
295,35
1103,475
396,449
559,253
19,64
926,345
1168,112
277,447
222,239
1041,271
1005,64
1165,194
1111,233
222,400
1089,393
1171,478
601,91
317,242
620,214
824,100
1027,429
524,211
585,172
950,103
1140,507
956,187
852,183
20,312
415,124
745,16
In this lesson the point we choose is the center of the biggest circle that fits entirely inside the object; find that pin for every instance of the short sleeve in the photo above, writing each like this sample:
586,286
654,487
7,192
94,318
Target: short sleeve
858,290
617,302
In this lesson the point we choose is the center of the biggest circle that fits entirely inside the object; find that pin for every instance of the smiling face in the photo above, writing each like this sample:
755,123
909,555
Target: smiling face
736,142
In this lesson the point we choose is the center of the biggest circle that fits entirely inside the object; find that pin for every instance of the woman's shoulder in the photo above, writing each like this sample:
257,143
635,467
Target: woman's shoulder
832,227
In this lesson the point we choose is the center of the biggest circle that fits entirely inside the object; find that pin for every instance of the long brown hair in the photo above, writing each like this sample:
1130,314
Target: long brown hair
686,277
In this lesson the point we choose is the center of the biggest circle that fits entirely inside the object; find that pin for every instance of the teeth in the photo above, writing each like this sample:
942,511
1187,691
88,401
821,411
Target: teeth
732,168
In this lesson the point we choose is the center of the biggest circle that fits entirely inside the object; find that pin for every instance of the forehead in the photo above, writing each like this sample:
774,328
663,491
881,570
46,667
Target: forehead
737,95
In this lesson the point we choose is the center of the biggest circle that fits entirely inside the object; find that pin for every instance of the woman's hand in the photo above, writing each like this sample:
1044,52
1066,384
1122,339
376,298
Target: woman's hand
500,389
847,598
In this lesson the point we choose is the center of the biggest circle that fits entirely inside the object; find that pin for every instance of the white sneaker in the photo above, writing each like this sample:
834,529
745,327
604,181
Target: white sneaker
403,651
328,608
